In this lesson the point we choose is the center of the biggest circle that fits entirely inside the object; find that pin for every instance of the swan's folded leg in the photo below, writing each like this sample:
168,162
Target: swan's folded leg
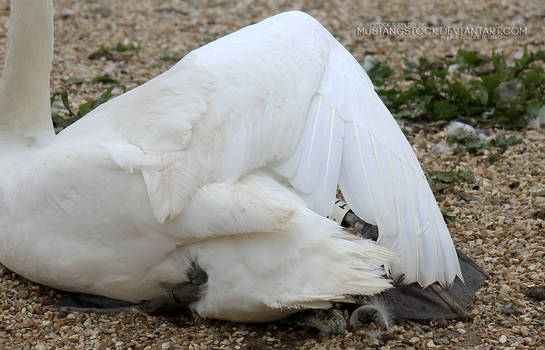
366,230
344,216
414,302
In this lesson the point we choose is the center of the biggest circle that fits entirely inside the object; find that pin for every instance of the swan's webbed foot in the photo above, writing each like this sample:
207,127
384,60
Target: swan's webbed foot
328,322
179,296
88,303
174,300
411,301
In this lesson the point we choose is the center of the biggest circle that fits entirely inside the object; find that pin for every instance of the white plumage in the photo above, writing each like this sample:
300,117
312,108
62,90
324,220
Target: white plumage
232,159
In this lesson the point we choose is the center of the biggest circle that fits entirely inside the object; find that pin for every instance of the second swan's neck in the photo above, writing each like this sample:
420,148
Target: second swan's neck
25,112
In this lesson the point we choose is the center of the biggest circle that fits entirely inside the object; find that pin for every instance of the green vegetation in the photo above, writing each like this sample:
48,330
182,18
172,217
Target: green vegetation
168,57
60,122
74,80
474,144
122,48
451,177
87,107
481,91
380,72
101,79
104,79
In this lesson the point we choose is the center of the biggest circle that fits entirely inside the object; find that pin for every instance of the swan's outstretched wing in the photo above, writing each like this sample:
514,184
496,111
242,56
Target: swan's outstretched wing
352,140
281,94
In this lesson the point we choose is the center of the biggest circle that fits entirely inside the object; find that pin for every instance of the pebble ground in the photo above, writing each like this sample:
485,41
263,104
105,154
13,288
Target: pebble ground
499,217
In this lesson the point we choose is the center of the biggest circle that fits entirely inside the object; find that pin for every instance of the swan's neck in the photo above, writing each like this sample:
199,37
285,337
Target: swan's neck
25,111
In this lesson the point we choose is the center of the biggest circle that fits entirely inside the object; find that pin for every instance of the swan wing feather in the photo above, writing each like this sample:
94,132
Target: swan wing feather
351,139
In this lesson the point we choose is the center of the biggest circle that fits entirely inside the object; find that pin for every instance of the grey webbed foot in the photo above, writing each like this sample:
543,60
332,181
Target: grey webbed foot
411,301
88,303
328,322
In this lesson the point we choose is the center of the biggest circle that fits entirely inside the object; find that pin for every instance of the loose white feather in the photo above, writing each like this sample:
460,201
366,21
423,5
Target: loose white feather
376,310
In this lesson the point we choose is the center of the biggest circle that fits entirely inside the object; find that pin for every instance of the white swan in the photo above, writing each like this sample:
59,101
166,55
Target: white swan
230,159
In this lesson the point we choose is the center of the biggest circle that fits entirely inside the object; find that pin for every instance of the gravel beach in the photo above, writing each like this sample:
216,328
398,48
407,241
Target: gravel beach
500,217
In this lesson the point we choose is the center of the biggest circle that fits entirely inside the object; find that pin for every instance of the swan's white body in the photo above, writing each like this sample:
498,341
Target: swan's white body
231,159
